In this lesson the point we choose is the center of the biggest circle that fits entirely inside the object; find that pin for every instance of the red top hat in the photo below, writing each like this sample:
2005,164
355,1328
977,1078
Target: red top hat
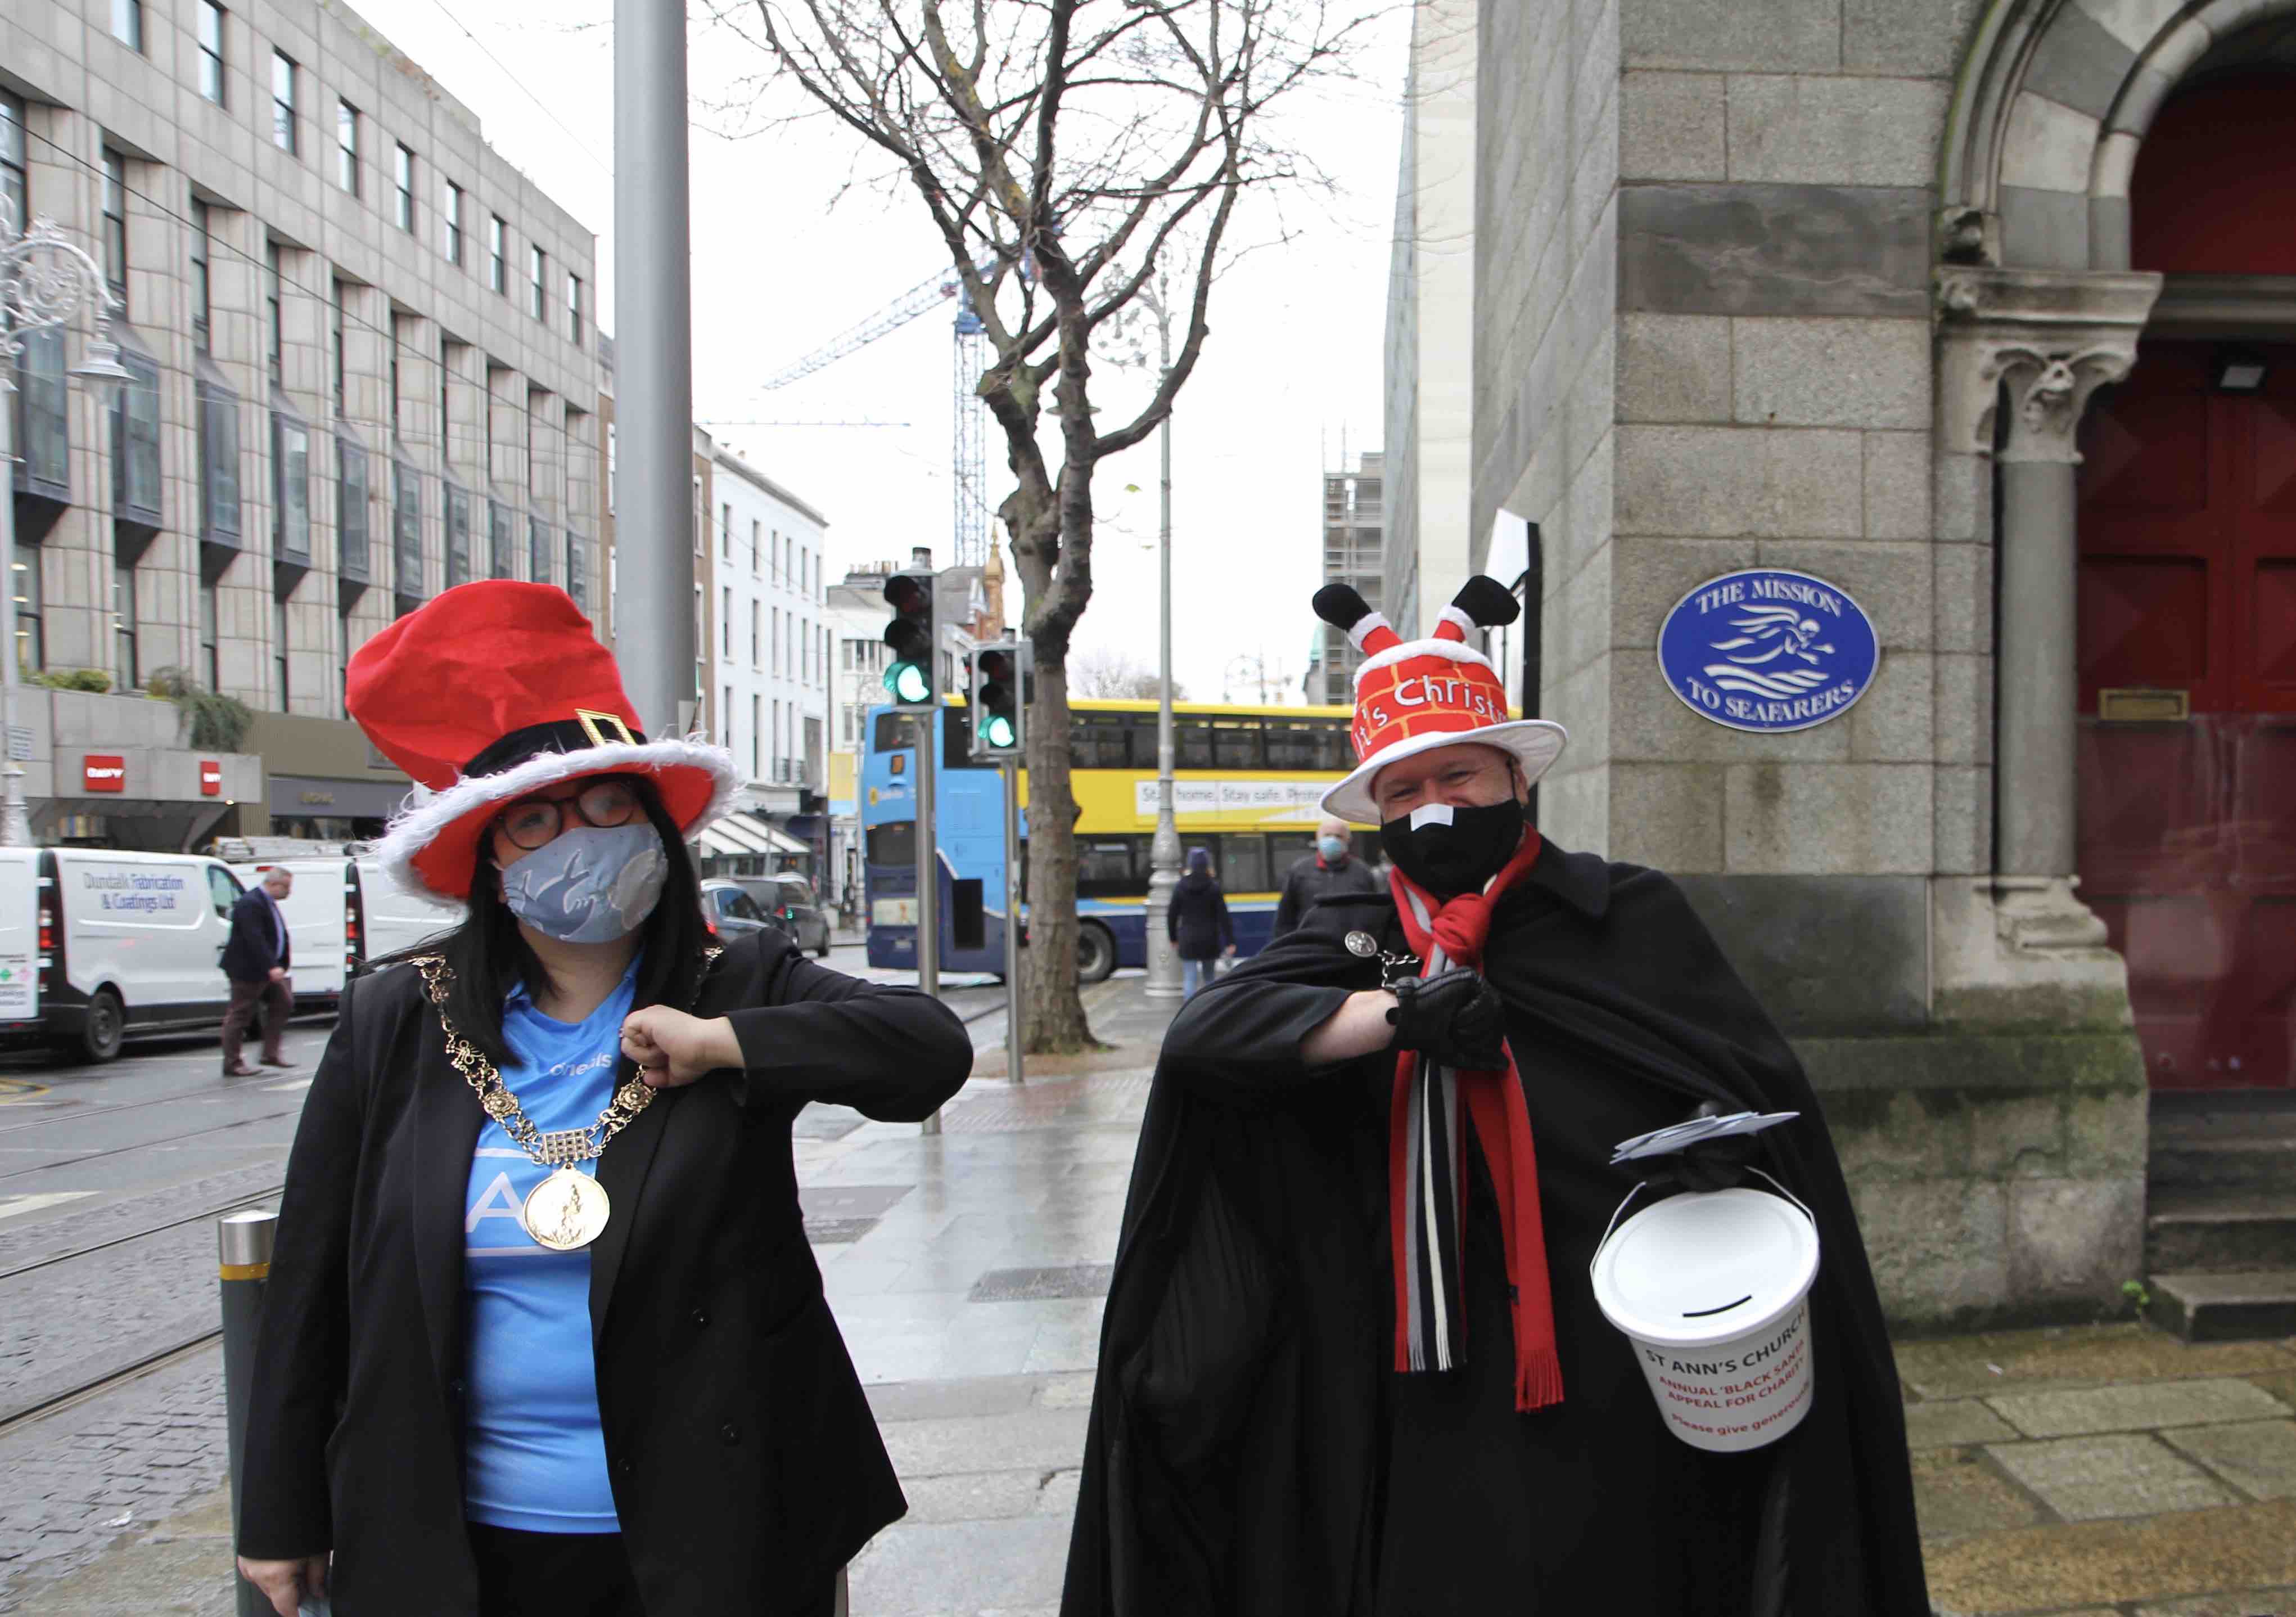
1414,695
494,691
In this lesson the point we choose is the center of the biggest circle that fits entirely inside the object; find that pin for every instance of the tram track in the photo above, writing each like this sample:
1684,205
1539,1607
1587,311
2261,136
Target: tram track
97,1386
234,1205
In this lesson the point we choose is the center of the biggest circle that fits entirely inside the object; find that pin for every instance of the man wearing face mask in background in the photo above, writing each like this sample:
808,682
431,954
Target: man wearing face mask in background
1329,872
1351,1364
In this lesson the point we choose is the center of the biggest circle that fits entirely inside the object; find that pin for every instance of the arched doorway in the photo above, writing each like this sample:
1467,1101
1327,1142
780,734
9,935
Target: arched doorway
2186,636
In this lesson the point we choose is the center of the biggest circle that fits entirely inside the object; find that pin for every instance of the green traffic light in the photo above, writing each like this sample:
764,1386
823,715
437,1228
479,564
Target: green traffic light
997,730
906,682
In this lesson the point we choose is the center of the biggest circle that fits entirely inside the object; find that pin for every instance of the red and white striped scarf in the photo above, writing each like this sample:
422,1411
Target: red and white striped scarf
1427,1162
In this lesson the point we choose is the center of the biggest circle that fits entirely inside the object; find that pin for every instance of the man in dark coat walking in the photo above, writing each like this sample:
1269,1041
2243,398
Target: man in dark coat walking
256,959
1351,1364
1328,872
1198,923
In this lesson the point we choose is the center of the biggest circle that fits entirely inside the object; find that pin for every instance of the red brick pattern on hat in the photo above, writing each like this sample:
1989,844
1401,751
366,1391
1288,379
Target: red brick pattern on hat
1424,696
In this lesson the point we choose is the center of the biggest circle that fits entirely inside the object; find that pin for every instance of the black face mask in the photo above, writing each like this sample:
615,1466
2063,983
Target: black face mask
1458,857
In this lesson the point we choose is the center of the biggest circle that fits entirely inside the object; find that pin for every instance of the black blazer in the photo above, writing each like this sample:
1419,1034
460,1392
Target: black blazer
745,1465
246,956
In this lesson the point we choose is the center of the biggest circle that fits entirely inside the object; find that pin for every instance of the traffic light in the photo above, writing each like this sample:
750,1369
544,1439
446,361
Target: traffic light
999,698
913,639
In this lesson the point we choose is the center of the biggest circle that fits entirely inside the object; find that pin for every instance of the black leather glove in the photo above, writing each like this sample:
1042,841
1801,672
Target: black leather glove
1453,1019
1707,1165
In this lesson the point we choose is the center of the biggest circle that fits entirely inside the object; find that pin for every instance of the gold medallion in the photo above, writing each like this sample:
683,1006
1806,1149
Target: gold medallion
566,1211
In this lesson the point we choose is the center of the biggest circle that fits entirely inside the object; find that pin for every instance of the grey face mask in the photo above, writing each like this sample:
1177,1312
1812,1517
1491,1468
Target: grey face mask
588,885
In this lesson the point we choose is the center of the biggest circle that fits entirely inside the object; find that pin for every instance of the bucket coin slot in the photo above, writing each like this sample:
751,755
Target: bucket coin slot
1709,1313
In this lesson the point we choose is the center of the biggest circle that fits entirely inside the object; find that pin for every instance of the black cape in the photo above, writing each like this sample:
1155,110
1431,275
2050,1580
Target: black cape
1252,1455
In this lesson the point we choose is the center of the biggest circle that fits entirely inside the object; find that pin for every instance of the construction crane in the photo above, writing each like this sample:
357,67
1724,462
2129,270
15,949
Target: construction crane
969,511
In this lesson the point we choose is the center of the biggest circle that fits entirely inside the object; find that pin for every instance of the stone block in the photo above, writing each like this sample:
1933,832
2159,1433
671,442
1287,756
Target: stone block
1774,250
1893,722
1952,1421
1962,613
1650,723
2020,1137
1590,502
1938,1247
2135,1405
2085,1479
1670,127
1575,809
1665,815
2133,22
1581,616
2258,1457
1826,819
1590,408
1916,36
2140,99
1723,483
2048,145
2247,1603
1767,36
1831,372
1956,1494
1674,368
1594,184
1890,579
2108,1135
1897,481
1918,1136
2076,1239
1648,575
2108,232
1964,684
1807,131
2044,229
2079,63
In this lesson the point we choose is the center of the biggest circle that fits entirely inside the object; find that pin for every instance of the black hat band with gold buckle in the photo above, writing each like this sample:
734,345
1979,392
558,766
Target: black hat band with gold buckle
587,729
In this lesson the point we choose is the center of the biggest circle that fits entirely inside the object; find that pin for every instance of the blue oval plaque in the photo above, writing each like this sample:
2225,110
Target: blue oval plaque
1769,650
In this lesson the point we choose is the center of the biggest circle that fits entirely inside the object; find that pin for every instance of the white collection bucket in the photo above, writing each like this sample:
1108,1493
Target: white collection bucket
1712,1289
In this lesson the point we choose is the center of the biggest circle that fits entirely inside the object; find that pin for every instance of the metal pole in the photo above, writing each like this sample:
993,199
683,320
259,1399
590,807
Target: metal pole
243,1262
654,379
1164,849
15,817
928,865
1012,1065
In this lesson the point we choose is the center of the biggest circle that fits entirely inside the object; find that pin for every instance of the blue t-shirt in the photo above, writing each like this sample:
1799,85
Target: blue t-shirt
534,1456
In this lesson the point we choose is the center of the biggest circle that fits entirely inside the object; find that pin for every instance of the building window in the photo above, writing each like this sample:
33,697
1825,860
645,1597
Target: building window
577,582
406,533
390,370
275,340
123,623
218,434
777,640
347,147
279,648
283,102
290,489
725,624
200,299
497,272
501,541
136,444
450,204
574,308
536,266
335,341
210,646
725,530
24,577
128,23
756,618
458,537
350,509
115,226
755,738
757,529
537,549
402,175
11,162
212,51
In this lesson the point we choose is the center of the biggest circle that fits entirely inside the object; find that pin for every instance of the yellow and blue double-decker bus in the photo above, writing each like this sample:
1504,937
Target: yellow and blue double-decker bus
1248,783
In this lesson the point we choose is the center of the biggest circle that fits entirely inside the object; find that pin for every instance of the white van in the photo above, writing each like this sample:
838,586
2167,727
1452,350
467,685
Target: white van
396,920
323,925
96,946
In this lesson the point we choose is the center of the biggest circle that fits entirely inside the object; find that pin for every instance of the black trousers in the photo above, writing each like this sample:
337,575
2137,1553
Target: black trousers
524,1574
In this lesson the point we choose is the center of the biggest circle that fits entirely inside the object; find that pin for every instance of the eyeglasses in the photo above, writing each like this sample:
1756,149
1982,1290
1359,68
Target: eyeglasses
534,822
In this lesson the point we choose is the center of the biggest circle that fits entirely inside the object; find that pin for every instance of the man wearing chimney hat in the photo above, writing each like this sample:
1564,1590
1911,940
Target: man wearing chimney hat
1351,1363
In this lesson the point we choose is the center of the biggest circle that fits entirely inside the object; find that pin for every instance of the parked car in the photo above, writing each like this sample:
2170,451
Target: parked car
731,911
788,903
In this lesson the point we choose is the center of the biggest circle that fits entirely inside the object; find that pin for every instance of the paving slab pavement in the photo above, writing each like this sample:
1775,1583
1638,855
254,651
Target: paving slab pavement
2100,1472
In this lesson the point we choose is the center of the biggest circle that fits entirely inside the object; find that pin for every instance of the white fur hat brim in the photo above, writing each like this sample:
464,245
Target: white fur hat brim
1534,742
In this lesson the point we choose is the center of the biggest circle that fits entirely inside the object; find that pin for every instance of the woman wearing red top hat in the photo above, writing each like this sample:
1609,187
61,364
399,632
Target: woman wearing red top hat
1351,1363
543,1333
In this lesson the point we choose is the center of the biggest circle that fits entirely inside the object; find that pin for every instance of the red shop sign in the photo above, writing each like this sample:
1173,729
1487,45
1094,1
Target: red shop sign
103,772
210,777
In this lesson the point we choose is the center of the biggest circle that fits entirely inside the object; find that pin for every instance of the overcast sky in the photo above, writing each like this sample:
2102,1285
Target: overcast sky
1292,370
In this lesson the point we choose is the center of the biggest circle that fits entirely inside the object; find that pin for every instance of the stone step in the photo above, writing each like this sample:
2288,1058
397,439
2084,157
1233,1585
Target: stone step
2190,1231
2257,1163
2189,1117
2252,1305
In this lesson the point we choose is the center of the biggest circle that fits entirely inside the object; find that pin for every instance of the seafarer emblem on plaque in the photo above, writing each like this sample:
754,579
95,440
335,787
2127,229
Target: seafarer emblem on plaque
1768,649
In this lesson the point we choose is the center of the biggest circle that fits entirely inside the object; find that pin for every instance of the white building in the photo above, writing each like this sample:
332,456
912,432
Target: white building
768,645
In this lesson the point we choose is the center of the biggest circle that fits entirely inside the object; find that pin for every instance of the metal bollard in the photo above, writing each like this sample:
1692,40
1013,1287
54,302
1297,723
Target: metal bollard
243,1253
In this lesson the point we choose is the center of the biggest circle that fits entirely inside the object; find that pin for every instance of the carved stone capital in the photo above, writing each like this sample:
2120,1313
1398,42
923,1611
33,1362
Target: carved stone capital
2050,337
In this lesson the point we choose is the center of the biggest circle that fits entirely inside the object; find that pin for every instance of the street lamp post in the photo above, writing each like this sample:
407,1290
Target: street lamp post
1164,851
44,281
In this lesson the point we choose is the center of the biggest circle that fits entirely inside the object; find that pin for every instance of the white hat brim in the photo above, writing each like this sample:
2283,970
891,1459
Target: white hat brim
1535,743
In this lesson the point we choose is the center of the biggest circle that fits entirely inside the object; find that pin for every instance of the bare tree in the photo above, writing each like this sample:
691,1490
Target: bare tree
1116,676
1062,150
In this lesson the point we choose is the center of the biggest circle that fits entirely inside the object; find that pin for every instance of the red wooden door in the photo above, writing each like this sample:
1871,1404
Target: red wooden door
2187,828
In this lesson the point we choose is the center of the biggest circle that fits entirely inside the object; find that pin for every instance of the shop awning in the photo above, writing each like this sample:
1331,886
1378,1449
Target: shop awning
740,834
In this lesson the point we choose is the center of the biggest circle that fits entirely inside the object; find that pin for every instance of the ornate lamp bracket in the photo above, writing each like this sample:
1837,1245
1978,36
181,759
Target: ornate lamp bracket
2046,339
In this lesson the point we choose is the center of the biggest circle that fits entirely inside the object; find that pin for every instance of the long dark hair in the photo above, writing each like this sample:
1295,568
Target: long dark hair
488,955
